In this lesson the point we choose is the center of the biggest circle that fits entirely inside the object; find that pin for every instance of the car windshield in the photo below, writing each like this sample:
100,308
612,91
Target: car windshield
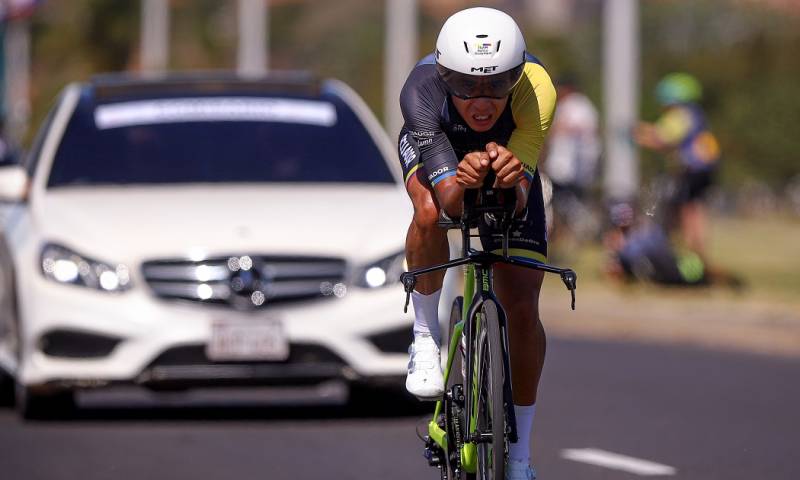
216,140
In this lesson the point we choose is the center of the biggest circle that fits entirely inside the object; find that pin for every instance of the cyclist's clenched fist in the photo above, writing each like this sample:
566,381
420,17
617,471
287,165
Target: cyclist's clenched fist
506,165
473,169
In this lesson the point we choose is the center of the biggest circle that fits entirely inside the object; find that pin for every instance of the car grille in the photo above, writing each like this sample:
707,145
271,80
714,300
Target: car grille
195,355
188,366
247,281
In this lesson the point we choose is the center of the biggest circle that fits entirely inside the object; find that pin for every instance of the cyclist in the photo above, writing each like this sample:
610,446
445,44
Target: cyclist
682,129
479,103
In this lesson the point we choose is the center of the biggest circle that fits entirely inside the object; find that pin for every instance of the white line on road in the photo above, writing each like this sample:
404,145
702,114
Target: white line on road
616,461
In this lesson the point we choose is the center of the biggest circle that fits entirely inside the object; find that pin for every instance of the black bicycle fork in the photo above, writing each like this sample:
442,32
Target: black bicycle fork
486,292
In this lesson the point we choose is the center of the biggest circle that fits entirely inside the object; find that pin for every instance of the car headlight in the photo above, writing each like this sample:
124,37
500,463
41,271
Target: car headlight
63,265
385,271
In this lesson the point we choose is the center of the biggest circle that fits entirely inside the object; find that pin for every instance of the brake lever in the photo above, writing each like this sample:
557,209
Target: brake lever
409,282
570,279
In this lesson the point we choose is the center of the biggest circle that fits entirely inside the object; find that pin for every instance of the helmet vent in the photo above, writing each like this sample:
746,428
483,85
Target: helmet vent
483,35
498,46
466,47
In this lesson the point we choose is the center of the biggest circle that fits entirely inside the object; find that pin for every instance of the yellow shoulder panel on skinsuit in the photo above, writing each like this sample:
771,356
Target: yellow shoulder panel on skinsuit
533,102
674,125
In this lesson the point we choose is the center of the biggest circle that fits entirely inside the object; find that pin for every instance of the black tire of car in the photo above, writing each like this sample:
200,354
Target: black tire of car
36,405
41,406
6,389
379,401
491,411
8,315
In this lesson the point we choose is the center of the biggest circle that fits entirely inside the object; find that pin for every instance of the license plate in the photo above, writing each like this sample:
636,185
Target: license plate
247,339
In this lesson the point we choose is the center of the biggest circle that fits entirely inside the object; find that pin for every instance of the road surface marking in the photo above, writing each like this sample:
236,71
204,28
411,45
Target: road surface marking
616,461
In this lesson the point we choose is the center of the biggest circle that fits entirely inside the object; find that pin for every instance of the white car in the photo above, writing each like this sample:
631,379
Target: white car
203,232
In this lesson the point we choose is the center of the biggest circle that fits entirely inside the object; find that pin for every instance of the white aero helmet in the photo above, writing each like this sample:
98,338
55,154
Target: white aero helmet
480,52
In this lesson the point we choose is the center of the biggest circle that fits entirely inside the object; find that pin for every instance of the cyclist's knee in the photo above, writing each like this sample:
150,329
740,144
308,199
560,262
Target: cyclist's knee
518,286
426,217
525,310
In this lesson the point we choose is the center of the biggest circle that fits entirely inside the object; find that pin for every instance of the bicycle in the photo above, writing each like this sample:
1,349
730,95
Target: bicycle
474,421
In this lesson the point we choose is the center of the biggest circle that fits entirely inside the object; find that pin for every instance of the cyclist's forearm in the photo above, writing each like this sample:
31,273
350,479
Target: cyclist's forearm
451,197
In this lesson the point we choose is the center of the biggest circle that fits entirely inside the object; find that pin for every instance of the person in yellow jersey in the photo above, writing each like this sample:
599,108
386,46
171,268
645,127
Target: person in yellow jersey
479,103
682,130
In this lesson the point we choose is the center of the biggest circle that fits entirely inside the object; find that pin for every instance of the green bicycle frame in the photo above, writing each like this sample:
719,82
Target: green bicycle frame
469,453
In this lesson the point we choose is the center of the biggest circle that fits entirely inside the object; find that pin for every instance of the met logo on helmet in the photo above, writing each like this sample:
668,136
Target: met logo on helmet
490,69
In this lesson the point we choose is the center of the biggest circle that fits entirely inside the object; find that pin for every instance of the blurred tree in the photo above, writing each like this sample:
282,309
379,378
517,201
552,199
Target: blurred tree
746,58
342,39
114,26
745,53
203,34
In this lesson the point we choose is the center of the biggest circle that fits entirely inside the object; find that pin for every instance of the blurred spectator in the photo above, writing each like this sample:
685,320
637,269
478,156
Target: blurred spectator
682,132
640,249
573,149
574,144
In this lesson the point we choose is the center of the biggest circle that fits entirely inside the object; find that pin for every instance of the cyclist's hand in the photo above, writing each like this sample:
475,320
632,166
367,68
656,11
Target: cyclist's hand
507,167
473,169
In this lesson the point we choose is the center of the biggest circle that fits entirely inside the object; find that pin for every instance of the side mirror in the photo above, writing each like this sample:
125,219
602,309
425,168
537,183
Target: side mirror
13,184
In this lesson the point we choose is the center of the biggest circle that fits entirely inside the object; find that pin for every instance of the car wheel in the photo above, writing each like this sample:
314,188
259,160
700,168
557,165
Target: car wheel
6,390
383,401
39,405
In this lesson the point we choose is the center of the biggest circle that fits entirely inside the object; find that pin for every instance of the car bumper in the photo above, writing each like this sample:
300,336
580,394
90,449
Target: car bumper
134,337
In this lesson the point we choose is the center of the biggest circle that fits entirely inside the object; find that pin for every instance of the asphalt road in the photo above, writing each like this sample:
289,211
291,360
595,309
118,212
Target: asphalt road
697,414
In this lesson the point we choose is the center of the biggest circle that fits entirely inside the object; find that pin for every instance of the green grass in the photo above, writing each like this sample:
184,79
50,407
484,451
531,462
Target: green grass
763,251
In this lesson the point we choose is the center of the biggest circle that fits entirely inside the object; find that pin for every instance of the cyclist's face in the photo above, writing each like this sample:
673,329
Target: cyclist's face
480,113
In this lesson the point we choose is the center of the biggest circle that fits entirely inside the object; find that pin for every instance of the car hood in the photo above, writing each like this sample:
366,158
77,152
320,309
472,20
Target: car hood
359,222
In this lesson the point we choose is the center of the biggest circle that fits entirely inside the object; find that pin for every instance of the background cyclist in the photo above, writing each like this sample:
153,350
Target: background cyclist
682,131
479,103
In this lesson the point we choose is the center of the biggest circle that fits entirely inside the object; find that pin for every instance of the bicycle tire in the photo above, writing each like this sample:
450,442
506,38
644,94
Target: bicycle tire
490,414
452,413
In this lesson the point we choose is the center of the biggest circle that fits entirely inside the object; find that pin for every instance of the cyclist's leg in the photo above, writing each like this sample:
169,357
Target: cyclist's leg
518,291
693,225
426,242
694,221
426,245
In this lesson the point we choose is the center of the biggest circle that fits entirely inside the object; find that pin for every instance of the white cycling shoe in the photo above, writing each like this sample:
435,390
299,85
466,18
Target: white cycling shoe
519,470
425,378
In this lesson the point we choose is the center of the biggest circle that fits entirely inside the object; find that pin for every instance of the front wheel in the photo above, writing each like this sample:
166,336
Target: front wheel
454,413
489,404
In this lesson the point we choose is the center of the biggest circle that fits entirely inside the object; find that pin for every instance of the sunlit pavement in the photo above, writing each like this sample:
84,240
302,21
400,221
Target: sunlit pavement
607,411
